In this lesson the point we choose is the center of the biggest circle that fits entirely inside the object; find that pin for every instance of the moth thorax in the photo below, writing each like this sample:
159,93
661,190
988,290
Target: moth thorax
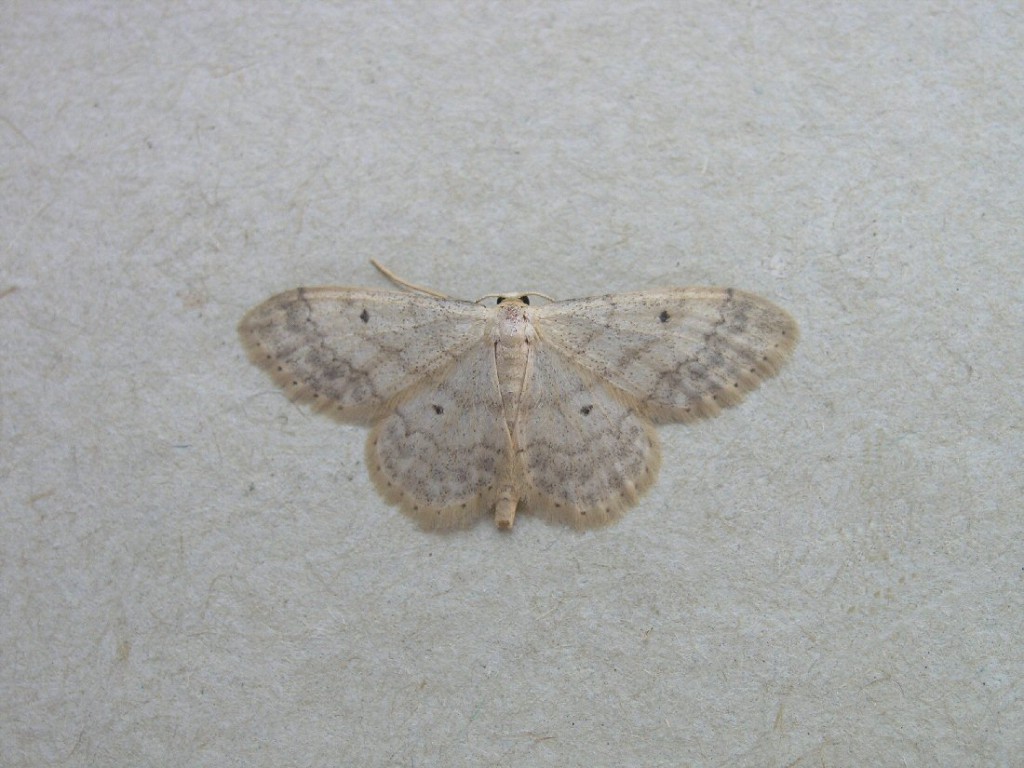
514,327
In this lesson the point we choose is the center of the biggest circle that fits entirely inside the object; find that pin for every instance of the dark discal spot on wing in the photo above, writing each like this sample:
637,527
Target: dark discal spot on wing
364,316
586,409
664,316
438,409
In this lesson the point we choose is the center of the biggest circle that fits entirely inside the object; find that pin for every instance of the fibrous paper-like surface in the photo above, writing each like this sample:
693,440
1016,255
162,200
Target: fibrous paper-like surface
549,407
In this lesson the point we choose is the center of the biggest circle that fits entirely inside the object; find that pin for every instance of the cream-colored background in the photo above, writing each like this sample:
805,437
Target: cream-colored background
197,573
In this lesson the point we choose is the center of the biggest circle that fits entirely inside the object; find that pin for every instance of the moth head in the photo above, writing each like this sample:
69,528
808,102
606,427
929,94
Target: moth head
522,299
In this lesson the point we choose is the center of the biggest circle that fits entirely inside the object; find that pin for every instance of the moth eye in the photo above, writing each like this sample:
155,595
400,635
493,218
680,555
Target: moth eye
500,299
524,299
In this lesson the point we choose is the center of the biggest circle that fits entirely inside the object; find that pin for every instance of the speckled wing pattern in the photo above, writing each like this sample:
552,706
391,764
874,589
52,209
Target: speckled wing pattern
575,439
351,351
587,451
679,353
439,453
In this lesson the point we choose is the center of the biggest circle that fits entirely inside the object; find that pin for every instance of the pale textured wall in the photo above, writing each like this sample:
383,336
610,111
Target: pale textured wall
195,572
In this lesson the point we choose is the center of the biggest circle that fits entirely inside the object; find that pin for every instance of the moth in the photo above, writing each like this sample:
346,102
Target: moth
546,407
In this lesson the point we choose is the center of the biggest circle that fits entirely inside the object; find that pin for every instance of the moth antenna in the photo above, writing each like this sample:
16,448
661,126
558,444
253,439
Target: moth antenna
404,283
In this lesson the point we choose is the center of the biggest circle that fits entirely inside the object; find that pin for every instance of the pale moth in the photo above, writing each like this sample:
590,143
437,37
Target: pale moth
548,409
